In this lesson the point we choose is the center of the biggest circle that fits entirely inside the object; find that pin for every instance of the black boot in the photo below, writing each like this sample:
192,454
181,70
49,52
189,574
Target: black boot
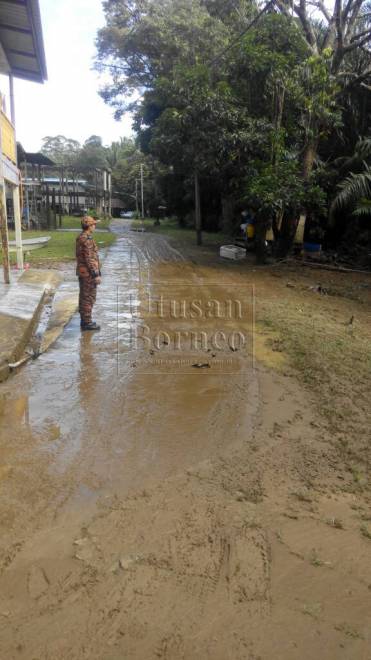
89,326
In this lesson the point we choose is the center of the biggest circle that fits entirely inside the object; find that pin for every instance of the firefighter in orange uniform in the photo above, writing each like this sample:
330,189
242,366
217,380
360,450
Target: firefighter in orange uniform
88,272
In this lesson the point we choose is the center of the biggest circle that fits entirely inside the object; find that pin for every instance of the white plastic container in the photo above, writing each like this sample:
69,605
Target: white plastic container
232,252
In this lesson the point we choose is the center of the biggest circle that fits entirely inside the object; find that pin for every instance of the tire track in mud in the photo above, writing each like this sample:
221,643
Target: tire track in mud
153,249
150,248
175,572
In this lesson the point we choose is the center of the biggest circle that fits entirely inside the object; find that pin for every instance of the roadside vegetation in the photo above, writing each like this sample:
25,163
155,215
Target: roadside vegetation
170,227
61,246
265,108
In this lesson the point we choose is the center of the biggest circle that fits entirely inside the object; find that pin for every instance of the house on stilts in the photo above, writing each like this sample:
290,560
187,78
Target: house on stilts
22,56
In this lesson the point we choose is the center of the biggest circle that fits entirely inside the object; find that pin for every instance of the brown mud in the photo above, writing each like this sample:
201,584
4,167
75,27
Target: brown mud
153,509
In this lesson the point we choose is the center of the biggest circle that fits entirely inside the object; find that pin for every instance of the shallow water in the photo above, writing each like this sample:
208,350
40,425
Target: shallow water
106,411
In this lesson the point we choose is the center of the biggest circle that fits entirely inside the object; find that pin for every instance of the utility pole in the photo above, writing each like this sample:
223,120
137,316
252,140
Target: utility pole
198,209
18,225
109,184
136,197
27,195
142,188
60,172
96,191
63,192
67,193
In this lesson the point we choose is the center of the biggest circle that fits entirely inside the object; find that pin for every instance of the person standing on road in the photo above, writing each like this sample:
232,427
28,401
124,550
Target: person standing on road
88,272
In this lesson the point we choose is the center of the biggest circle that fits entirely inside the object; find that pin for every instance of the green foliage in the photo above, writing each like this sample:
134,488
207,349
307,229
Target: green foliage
252,115
363,208
274,45
93,154
354,189
126,160
355,162
200,125
93,213
123,157
61,150
280,186
144,40
69,153
314,90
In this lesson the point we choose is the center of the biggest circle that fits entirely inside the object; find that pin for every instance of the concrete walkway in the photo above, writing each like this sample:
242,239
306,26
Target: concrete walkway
20,307
22,310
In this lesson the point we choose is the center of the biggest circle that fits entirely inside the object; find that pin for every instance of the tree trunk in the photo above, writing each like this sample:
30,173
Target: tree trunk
198,210
309,155
227,215
262,223
287,233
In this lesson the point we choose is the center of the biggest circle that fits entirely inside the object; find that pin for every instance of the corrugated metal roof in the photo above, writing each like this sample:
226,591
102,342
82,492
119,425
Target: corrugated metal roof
21,38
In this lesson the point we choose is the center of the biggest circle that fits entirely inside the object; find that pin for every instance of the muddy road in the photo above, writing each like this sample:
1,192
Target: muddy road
164,492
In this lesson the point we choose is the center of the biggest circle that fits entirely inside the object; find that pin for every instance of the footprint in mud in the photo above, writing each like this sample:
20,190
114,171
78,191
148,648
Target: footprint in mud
87,551
170,646
249,566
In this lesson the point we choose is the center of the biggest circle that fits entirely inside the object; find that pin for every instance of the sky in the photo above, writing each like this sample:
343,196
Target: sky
68,103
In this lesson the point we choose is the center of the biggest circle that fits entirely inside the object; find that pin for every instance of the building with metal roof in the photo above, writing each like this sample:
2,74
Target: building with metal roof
22,55
21,40
32,158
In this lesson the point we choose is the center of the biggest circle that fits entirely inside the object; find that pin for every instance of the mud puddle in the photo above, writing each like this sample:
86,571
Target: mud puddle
102,413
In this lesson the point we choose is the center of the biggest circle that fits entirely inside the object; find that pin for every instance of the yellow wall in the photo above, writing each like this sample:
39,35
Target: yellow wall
8,144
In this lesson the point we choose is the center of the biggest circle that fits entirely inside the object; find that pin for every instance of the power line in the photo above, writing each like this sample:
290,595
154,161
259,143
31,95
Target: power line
226,50
242,34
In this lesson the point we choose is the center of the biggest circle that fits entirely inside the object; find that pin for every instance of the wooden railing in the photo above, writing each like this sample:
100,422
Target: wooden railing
8,144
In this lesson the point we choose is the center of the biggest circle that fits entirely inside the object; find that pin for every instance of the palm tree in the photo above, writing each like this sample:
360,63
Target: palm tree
354,191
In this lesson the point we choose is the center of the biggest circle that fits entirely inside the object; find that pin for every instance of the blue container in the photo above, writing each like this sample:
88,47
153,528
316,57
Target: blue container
312,247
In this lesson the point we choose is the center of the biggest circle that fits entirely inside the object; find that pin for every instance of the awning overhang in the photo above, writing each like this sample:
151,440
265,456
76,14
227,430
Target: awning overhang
22,52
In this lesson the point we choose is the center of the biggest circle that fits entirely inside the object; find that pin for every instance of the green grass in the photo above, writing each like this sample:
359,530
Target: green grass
61,247
170,227
70,222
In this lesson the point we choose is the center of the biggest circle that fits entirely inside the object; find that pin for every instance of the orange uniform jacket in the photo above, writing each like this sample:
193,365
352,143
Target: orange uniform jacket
87,256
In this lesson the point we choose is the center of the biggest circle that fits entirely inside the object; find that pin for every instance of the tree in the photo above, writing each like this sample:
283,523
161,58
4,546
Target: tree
332,43
92,154
126,172
354,190
144,39
183,119
94,141
62,150
203,130
286,95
